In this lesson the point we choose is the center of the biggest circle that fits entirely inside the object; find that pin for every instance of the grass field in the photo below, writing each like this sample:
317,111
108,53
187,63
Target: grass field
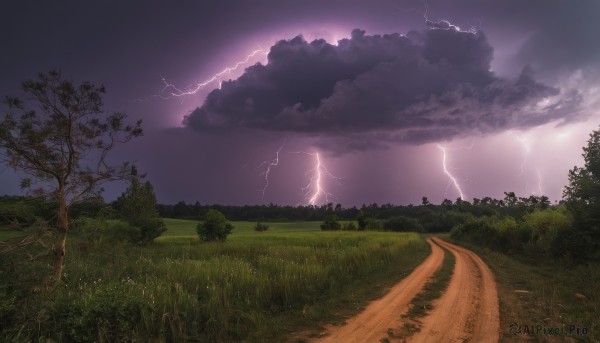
183,231
256,286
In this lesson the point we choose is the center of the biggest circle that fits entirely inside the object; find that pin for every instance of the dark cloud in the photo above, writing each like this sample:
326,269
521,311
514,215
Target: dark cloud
565,39
372,89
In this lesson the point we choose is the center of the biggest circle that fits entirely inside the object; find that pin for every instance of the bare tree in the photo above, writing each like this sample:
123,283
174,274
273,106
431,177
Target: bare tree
60,137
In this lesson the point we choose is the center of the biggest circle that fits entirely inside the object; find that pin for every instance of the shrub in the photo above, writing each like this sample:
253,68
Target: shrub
402,223
331,223
150,228
214,228
108,313
261,227
573,245
546,224
110,230
510,234
478,230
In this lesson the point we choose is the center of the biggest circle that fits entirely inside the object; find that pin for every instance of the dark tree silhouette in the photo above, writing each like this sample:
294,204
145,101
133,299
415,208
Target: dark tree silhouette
137,206
215,227
60,137
582,197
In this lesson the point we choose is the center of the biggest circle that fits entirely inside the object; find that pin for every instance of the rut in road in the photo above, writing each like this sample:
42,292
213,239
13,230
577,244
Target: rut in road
373,322
467,311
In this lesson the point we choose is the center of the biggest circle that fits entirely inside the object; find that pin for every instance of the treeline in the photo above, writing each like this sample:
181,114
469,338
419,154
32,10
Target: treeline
570,232
23,212
434,218
548,233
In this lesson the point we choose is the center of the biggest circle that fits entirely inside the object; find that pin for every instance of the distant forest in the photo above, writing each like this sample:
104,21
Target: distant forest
22,211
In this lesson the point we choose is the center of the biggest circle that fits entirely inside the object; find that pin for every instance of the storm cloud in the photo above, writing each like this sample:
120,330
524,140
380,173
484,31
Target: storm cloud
369,90
566,38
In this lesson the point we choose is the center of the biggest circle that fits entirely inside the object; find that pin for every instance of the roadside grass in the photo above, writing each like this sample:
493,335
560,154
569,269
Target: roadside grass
255,287
546,294
422,303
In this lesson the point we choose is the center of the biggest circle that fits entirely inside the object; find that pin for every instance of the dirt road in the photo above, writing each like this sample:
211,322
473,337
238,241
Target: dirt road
467,311
372,324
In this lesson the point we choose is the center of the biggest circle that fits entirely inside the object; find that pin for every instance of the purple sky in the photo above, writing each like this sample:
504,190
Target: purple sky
510,89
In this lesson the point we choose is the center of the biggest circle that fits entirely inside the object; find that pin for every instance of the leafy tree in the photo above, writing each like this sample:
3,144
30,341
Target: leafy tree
361,218
446,204
330,223
510,199
137,206
582,197
545,225
478,230
215,227
61,137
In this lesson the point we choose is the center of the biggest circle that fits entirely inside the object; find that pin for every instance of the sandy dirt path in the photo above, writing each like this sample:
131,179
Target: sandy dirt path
468,311
372,324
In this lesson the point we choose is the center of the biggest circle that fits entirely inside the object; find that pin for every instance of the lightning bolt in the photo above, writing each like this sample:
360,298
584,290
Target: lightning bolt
269,164
425,14
174,91
539,176
453,179
412,9
524,142
316,178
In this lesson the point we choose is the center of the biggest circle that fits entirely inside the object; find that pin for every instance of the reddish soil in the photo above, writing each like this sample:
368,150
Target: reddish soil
467,311
373,323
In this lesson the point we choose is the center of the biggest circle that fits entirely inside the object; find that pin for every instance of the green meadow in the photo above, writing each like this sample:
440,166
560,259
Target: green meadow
256,286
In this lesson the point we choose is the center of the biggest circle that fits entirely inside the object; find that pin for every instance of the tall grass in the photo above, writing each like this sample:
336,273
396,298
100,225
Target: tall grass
178,289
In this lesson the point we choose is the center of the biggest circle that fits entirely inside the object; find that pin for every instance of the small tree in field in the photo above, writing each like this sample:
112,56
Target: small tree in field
61,137
137,206
330,223
215,227
261,227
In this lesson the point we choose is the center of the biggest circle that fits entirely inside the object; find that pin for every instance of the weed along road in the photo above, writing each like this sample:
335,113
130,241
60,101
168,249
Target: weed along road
372,324
467,311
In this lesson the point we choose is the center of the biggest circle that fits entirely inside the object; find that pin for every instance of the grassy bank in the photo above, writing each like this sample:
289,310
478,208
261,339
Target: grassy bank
256,286
546,294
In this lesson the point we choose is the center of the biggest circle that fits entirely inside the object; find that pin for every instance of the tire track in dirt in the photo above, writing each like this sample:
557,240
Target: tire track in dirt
374,321
468,311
